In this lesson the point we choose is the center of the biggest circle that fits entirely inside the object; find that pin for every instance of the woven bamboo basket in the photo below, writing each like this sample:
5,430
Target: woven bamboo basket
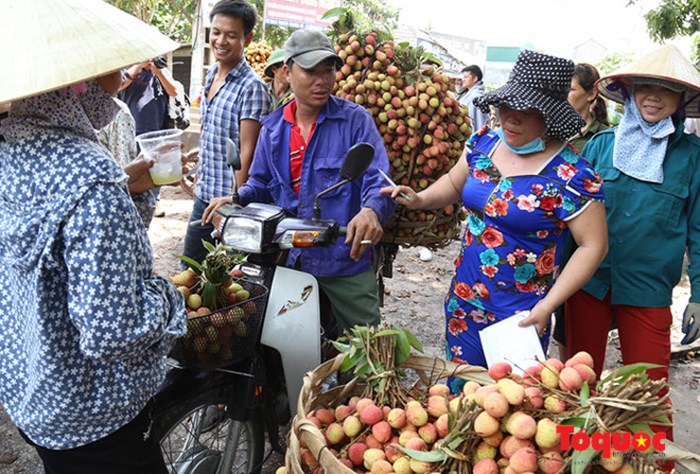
427,369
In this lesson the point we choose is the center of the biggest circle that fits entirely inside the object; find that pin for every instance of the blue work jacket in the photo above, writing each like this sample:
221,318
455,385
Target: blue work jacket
340,125
650,225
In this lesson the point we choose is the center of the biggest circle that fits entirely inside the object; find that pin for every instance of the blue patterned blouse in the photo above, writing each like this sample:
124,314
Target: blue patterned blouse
513,241
84,326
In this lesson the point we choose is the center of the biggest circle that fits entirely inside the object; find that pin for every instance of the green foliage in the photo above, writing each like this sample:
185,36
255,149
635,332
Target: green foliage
274,35
375,12
673,18
172,17
213,273
365,354
613,62
362,16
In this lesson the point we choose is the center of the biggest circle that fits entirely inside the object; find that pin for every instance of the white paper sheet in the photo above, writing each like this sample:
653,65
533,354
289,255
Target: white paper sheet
506,341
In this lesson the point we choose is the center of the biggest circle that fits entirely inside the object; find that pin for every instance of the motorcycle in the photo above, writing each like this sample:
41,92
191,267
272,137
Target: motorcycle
258,394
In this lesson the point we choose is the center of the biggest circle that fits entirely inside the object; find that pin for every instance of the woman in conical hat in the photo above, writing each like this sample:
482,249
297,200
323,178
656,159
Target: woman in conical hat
524,190
84,326
651,171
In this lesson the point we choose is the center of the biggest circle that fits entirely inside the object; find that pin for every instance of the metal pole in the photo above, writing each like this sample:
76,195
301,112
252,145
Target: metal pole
263,22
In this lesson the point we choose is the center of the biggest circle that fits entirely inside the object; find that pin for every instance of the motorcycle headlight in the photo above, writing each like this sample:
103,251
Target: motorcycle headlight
242,233
251,229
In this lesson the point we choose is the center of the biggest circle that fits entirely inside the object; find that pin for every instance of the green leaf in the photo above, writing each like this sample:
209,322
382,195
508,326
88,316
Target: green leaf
585,394
403,348
582,459
340,347
454,444
635,427
351,361
207,245
431,57
386,332
362,370
413,340
631,369
208,295
577,421
334,12
663,419
193,264
426,456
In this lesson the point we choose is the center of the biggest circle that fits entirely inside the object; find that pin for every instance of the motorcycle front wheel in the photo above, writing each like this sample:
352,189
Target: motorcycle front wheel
193,443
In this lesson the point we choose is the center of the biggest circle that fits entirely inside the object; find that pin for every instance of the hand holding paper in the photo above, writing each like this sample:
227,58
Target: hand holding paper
507,341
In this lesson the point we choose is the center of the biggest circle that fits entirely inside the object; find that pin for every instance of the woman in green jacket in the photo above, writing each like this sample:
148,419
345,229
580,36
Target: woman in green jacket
651,171
584,97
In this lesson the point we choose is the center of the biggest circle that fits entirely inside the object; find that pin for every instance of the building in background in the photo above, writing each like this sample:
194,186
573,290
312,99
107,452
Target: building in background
590,51
454,51
499,63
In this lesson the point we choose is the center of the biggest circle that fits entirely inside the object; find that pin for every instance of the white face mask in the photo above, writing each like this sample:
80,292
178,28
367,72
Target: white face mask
534,146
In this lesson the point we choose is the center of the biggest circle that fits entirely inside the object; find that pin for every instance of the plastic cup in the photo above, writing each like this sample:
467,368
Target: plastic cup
164,148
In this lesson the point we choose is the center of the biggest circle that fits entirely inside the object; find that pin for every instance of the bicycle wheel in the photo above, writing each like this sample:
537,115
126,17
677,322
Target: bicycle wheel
189,447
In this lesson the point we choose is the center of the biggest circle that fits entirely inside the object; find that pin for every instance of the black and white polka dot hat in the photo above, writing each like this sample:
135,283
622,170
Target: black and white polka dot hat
540,82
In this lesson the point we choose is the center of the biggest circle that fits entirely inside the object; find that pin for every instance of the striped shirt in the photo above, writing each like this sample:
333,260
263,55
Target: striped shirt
242,96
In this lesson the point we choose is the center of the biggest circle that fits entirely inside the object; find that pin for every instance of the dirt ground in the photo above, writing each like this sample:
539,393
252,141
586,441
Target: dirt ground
413,299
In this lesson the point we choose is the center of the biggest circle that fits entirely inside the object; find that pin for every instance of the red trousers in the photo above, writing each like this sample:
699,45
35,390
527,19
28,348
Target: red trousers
645,336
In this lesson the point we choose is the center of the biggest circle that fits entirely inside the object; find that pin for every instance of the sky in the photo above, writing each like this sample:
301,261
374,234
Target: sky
552,26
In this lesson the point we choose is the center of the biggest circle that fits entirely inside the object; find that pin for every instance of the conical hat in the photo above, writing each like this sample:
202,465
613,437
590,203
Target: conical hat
48,44
664,65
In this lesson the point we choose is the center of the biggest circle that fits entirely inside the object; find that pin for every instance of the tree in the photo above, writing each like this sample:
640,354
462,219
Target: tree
376,12
275,35
369,12
612,62
673,18
172,17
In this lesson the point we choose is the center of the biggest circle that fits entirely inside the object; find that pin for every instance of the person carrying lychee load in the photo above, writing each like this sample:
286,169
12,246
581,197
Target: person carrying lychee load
524,191
652,173
299,154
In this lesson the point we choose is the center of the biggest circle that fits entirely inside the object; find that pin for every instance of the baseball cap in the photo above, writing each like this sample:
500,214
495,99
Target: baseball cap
307,48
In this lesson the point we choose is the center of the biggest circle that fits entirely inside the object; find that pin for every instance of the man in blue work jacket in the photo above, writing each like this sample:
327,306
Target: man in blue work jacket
299,153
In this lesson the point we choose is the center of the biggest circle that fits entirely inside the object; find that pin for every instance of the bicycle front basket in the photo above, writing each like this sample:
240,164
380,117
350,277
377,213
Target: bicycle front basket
225,336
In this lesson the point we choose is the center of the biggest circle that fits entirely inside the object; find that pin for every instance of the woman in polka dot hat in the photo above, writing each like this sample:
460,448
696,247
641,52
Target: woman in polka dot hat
524,191
652,180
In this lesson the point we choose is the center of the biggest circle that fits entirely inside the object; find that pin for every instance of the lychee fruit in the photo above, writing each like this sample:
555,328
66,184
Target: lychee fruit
486,425
499,370
523,460
570,380
496,405
514,392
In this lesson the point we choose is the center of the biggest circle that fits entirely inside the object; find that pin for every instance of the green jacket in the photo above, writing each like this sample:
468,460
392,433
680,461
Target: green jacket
580,140
649,225
278,101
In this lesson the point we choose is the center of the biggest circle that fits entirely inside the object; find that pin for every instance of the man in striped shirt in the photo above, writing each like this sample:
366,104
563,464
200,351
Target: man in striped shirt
234,101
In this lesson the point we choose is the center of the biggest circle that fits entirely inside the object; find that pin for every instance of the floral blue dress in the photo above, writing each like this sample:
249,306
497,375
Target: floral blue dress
513,241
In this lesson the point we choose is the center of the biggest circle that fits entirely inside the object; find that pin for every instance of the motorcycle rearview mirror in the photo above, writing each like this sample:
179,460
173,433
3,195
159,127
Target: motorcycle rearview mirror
233,160
356,161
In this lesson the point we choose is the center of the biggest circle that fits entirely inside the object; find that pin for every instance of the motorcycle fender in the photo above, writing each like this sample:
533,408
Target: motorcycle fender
292,326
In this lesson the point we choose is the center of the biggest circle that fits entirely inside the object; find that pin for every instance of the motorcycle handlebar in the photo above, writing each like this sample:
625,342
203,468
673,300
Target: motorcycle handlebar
342,231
